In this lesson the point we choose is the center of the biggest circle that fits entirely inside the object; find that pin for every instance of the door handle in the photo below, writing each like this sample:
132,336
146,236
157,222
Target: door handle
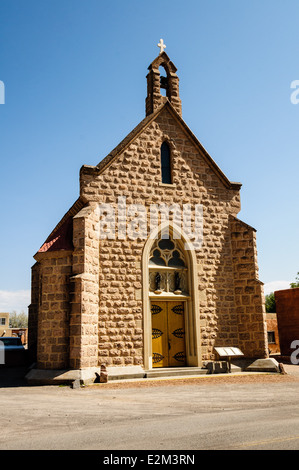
169,345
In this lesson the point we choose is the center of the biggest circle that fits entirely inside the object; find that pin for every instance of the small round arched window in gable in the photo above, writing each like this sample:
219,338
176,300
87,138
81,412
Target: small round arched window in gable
165,164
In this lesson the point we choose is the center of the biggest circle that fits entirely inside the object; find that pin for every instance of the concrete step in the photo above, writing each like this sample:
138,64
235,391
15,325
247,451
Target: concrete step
235,368
175,372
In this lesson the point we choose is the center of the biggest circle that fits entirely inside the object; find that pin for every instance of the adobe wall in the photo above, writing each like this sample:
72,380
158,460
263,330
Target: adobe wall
274,348
33,311
287,311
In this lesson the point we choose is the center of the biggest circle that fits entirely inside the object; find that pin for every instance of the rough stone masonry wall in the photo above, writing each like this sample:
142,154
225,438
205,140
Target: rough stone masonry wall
85,291
136,174
219,322
54,311
120,318
249,294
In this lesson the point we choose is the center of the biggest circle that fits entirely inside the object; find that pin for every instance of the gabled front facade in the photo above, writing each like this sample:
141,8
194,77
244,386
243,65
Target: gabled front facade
151,266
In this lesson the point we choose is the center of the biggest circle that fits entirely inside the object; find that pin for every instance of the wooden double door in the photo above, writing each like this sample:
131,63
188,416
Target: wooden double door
168,334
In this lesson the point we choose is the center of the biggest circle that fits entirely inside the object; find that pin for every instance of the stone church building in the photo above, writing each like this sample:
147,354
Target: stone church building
142,293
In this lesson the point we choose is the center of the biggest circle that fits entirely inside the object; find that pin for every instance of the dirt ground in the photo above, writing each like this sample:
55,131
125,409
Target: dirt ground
223,411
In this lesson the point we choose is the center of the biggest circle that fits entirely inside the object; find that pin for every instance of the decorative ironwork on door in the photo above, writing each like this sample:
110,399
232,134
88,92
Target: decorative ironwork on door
156,309
168,334
178,309
179,333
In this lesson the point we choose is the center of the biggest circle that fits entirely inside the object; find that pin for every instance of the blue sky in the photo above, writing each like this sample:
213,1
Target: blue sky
74,75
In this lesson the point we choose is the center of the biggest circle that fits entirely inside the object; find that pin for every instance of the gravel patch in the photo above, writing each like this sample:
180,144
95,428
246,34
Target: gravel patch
205,380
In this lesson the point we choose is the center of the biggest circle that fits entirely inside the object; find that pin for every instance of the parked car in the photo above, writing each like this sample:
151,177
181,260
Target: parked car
12,351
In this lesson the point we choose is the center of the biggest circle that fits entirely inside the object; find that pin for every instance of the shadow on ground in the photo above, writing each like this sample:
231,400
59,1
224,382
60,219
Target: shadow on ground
13,376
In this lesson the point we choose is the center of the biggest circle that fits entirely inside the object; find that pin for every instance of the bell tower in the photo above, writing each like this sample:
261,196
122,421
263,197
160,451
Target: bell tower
156,82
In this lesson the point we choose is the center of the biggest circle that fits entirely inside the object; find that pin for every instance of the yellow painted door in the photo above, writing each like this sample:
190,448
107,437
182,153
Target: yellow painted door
168,334
159,334
176,334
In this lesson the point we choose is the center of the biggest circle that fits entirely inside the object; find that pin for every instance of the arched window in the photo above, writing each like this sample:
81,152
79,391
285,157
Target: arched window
167,260
165,164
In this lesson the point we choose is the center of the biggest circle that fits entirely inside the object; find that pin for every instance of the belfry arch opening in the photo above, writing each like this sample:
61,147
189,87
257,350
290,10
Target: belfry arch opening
163,81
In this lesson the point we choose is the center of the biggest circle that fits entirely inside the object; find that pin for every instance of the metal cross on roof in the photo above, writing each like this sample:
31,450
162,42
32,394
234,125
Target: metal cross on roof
161,45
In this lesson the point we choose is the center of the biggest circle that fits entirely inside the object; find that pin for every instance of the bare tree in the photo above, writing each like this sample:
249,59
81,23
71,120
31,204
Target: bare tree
18,320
